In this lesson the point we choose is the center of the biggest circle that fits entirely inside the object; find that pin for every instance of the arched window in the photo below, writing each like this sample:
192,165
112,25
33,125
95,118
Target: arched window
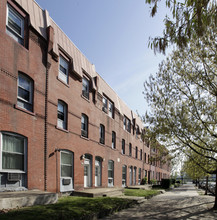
84,125
25,92
62,115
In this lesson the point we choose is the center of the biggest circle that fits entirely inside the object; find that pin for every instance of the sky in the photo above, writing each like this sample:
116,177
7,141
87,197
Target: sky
114,36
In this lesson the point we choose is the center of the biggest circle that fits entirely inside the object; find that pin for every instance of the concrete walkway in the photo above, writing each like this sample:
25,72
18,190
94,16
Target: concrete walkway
180,203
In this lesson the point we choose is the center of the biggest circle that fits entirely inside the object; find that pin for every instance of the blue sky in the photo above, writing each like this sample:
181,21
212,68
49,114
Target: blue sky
113,35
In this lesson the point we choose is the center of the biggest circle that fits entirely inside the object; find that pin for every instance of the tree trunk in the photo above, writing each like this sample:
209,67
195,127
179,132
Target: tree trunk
206,188
215,204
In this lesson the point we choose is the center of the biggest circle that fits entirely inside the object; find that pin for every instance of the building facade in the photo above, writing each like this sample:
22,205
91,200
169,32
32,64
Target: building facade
61,126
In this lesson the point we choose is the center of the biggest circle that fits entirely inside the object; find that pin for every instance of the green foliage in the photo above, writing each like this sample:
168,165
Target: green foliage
183,99
140,192
165,183
69,208
153,181
144,181
188,20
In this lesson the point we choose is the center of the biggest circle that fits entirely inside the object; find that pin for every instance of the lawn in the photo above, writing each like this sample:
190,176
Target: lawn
70,208
140,192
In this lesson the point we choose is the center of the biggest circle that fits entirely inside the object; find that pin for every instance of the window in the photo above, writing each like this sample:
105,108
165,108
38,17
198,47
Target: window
145,158
66,164
102,134
113,140
136,152
127,124
124,175
84,125
123,146
139,175
15,25
62,115
85,87
148,159
63,69
13,149
137,131
110,109
108,106
140,154
130,149
110,173
25,92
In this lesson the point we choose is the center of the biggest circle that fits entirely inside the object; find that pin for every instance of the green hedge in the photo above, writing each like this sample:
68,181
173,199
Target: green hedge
166,183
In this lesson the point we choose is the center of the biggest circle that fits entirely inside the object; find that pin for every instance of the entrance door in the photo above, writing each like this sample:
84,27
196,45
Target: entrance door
98,165
87,173
66,171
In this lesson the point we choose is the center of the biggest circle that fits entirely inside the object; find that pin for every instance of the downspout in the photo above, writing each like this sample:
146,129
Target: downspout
48,64
45,126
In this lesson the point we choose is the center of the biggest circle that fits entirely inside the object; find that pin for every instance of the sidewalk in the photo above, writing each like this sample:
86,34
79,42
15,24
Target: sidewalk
180,203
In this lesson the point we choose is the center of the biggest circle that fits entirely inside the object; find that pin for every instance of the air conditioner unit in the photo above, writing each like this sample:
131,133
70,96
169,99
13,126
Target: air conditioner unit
14,177
66,181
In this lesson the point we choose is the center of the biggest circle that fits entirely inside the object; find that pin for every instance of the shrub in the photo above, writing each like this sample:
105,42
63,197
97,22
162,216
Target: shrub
144,181
166,183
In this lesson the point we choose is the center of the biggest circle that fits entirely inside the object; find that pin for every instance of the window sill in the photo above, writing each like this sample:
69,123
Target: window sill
24,110
66,84
85,98
12,171
62,129
85,138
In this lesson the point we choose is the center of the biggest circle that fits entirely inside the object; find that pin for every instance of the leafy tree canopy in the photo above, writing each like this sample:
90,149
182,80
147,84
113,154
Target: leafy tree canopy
189,20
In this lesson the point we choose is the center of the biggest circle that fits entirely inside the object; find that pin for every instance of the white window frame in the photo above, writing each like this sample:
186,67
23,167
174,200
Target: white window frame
84,120
111,179
12,32
85,87
102,134
110,109
124,180
21,101
62,123
108,106
113,140
65,65
123,146
24,154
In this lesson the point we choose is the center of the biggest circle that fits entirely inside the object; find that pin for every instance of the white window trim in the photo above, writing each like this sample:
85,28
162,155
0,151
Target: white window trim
25,154
62,123
30,102
62,76
20,17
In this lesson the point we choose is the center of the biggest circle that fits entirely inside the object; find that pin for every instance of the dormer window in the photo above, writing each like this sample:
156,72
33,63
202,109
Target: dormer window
63,70
127,124
108,107
15,25
85,87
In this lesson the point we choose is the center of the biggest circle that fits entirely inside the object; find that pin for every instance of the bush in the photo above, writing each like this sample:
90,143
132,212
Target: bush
153,181
173,181
144,181
166,183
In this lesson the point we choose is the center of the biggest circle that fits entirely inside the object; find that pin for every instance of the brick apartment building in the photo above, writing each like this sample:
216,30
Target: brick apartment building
61,126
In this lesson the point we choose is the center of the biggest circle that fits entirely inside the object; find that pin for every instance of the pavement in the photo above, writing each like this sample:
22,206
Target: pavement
180,203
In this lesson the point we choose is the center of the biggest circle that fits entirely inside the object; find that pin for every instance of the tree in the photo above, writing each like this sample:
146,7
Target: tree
190,19
183,99
197,167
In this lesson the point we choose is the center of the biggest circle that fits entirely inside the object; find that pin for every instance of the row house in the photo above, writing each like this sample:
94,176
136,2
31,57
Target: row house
62,127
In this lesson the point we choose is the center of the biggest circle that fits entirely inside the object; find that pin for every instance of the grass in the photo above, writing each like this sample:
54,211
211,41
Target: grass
140,192
70,208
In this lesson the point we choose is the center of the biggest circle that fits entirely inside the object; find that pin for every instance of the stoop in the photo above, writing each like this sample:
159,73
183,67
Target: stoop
99,192
11,200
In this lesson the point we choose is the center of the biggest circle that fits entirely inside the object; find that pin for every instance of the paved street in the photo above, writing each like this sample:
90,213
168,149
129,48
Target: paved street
180,203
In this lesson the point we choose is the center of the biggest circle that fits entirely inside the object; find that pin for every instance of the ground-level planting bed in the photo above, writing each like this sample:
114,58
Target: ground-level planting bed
70,208
141,192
